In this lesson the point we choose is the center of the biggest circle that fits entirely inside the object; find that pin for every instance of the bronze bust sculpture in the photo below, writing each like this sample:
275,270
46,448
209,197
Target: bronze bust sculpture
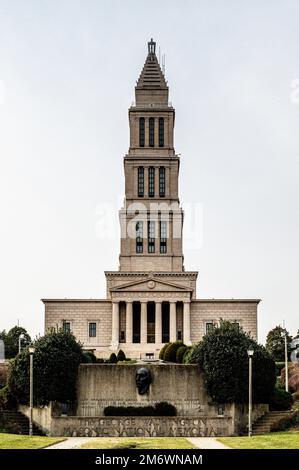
143,380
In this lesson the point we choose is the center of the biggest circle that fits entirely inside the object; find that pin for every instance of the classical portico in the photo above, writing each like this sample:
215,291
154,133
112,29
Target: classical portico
150,313
159,314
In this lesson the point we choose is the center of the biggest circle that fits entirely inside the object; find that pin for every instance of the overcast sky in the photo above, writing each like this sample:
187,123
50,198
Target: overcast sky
67,76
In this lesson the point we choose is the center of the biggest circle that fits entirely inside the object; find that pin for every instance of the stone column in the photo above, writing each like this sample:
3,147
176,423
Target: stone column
143,323
158,323
172,322
129,322
115,325
186,324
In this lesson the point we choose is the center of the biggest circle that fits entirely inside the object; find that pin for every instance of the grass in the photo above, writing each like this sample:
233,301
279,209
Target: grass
139,443
20,441
275,440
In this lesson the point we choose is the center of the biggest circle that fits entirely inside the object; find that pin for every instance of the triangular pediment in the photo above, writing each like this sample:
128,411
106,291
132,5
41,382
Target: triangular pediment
151,284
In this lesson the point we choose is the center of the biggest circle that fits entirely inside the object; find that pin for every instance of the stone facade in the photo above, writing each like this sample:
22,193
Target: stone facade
103,385
151,299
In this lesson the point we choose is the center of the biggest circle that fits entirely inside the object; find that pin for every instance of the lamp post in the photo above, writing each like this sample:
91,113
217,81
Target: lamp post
22,336
286,361
250,353
31,350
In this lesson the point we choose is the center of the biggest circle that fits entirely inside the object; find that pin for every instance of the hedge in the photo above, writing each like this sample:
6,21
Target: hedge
162,351
281,400
160,409
170,353
180,354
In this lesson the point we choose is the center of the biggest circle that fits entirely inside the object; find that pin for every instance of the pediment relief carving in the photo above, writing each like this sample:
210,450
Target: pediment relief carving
151,284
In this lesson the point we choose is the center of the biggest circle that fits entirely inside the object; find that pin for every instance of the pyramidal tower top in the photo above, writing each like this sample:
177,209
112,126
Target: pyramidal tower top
151,88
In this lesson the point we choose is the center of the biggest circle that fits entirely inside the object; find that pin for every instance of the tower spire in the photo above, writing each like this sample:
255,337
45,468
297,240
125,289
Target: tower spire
151,87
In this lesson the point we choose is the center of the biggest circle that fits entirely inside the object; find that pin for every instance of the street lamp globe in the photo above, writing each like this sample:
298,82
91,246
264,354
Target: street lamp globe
31,349
250,352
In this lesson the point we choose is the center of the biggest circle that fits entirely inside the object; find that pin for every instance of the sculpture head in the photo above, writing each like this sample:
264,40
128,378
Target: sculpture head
143,380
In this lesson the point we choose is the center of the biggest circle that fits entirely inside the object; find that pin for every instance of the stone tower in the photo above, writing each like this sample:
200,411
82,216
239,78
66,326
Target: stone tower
157,289
151,240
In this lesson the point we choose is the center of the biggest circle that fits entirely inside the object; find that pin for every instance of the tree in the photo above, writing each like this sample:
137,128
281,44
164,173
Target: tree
223,356
11,341
275,343
56,360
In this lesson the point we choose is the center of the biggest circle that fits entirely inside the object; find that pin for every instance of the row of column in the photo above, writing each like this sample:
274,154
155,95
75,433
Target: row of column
143,322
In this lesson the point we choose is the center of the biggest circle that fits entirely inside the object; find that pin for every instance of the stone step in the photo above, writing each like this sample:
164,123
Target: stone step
21,421
270,420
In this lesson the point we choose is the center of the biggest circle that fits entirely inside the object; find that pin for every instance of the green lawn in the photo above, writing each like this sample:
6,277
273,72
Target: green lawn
139,443
275,440
20,441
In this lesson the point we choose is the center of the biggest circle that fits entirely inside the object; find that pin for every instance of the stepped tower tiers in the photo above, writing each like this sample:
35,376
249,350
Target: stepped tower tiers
151,299
151,240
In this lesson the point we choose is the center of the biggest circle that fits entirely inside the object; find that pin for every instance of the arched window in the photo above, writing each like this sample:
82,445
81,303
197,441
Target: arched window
162,181
140,181
161,132
151,137
141,132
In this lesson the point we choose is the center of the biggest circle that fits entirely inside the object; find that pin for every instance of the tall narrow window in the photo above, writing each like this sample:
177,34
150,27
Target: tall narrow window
141,131
151,137
92,329
139,237
151,236
161,132
163,236
151,181
162,181
140,181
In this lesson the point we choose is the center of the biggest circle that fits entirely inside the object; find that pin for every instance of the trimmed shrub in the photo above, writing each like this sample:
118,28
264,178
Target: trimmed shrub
100,360
121,356
160,409
186,354
170,353
180,354
88,357
162,351
165,409
281,400
113,358
223,356
278,368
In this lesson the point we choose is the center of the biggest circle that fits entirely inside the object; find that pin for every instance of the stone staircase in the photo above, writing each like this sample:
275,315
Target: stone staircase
272,421
17,423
